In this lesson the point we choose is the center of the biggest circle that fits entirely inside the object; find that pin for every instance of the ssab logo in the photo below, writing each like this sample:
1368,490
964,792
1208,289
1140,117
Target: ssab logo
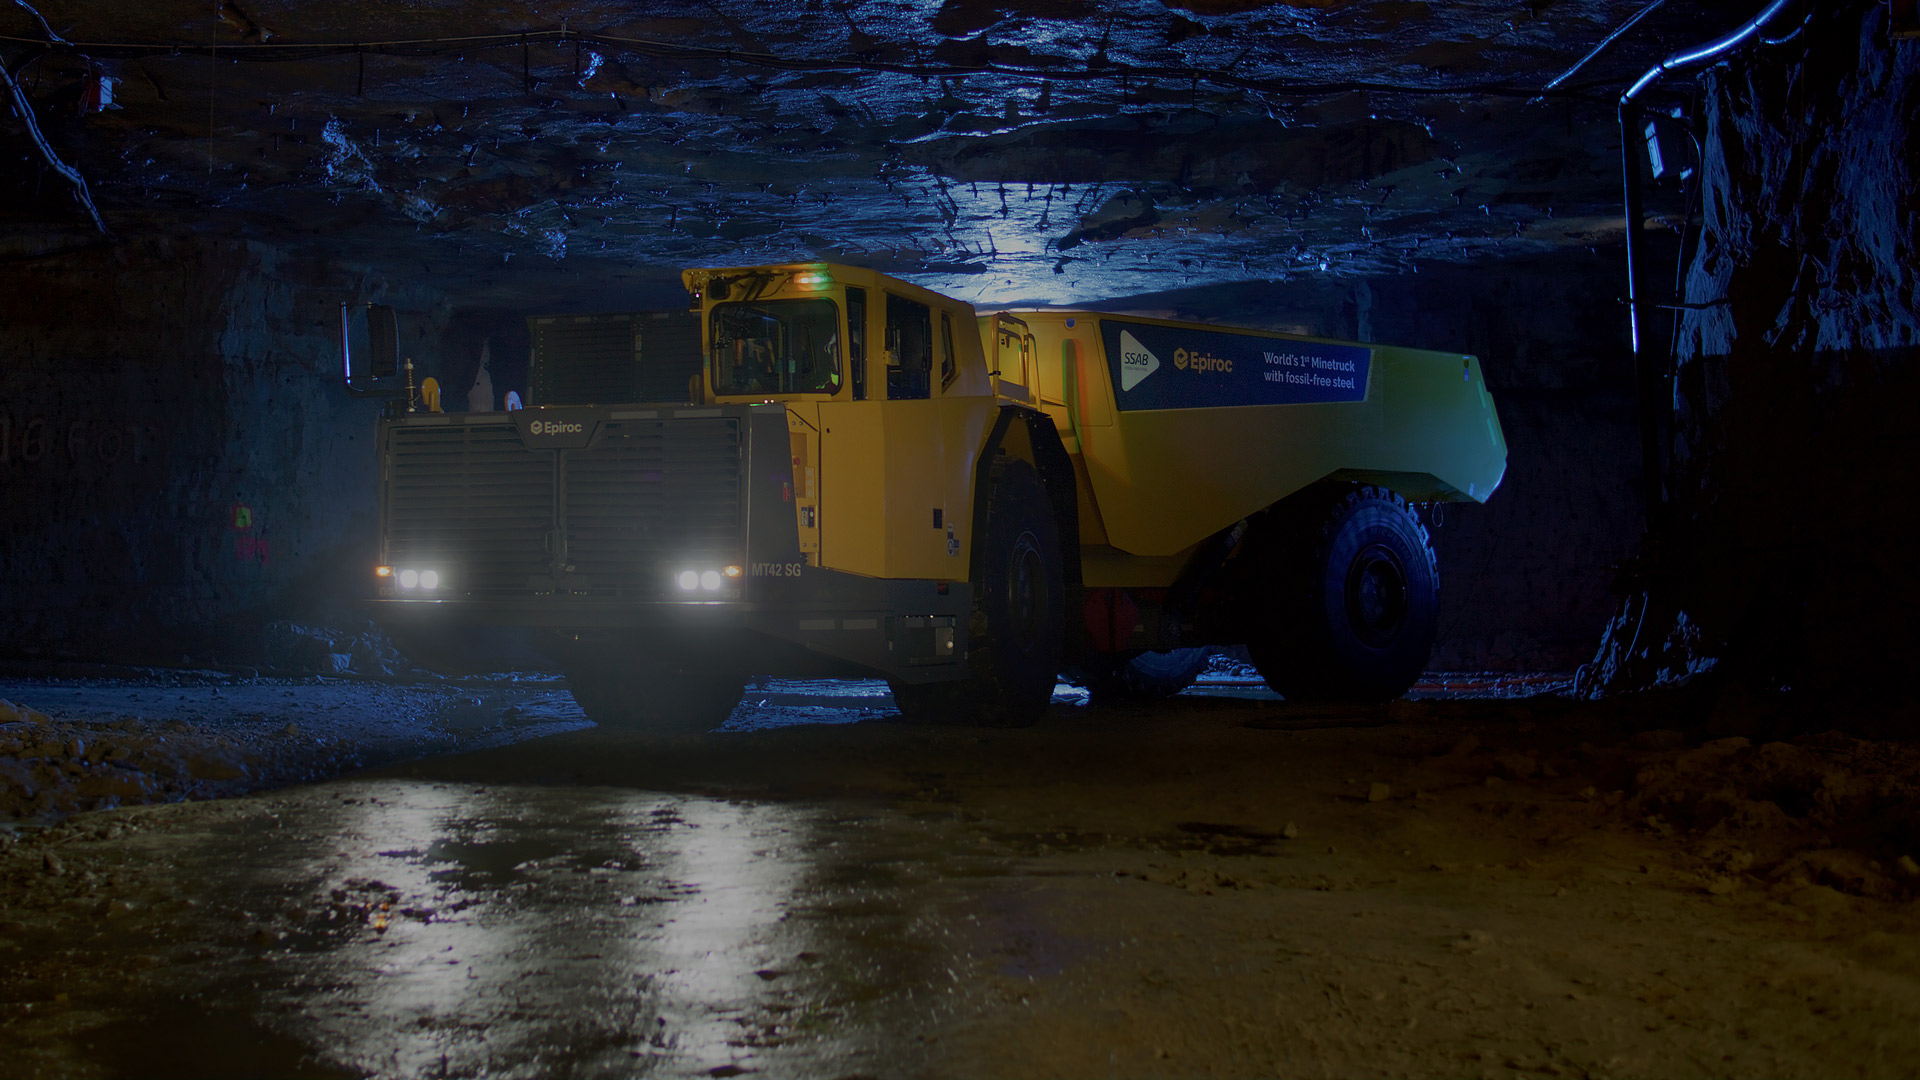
1136,363
553,427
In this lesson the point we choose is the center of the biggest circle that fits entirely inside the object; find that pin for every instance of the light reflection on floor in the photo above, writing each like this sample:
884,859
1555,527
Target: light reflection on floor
538,931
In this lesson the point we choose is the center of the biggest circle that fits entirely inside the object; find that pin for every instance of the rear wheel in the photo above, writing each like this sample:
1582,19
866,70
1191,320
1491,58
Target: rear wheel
1350,598
1019,602
1149,676
648,695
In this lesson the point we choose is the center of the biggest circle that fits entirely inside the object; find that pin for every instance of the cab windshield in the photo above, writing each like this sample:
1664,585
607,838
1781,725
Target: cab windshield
776,347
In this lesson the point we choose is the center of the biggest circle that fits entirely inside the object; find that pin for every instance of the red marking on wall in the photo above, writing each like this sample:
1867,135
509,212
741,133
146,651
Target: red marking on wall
248,546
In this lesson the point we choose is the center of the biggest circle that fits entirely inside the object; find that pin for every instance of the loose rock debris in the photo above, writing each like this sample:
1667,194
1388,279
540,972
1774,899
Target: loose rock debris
101,744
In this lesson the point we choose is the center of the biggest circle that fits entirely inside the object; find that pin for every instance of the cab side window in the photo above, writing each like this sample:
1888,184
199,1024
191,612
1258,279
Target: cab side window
857,340
949,366
909,348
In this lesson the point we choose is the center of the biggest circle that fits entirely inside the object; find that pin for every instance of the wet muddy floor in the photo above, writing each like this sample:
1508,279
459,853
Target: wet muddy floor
1218,885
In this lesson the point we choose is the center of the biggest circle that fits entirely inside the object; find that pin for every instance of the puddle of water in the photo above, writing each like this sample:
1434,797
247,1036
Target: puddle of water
529,930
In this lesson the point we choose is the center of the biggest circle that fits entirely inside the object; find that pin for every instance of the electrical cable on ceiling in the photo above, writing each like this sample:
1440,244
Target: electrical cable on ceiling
1605,42
42,20
24,110
290,51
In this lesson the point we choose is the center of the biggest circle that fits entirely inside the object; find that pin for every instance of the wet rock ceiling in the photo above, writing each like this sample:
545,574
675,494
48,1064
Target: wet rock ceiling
1033,150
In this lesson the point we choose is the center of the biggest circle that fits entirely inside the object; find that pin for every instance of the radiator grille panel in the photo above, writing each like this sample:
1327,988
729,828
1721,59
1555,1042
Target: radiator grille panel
648,498
470,498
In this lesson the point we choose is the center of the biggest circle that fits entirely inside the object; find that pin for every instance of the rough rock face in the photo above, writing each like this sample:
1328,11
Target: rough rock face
1789,555
174,445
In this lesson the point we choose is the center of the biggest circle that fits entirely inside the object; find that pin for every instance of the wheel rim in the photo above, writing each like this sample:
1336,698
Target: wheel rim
1026,592
1376,595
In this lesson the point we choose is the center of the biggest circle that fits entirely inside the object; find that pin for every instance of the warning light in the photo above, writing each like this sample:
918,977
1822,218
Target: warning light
812,280
733,571
383,571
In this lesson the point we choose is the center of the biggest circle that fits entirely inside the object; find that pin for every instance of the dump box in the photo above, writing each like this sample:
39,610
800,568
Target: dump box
1183,428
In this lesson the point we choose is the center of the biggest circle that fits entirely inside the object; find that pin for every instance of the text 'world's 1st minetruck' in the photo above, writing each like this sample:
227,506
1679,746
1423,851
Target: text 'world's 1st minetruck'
854,476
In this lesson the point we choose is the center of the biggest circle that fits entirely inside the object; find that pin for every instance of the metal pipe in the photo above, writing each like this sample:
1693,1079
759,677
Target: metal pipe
1631,119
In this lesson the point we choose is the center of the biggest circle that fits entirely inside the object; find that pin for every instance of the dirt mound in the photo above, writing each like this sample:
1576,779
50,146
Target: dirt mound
1824,809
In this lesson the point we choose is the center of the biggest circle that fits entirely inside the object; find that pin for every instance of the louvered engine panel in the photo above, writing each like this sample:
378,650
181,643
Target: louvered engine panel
650,498
585,359
605,359
469,499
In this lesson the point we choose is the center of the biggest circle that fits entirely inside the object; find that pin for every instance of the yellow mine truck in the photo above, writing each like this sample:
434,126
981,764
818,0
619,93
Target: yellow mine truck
854,476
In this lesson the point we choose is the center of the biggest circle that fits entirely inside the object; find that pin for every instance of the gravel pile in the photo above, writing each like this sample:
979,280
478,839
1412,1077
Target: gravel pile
97,745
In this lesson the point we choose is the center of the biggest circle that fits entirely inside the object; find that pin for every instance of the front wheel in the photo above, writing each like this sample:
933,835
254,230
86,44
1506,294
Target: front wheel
650,695
1349,606
1019,614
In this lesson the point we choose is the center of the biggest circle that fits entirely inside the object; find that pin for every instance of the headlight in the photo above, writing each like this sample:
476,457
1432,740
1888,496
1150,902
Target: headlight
411,578
716,579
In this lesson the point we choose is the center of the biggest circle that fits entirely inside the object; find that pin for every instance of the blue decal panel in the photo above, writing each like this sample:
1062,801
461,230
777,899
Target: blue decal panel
1172,367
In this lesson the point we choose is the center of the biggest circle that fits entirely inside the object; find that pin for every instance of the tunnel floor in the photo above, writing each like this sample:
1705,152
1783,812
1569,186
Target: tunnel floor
1223,884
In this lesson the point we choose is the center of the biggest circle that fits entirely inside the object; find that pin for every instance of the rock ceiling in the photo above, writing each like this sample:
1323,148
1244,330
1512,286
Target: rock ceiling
1036,150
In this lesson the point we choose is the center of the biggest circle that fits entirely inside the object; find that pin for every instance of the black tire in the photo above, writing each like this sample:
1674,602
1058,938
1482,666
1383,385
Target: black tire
653,697
1019,614
1349,600
1149,676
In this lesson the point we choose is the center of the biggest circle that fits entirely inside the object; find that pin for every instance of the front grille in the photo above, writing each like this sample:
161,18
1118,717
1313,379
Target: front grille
647,499
470,499
650,498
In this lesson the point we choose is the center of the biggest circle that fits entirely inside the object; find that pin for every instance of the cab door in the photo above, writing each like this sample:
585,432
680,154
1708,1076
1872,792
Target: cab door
1013,374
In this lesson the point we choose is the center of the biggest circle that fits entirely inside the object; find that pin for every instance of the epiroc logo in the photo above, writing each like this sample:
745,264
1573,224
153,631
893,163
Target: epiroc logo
1199,361
1136,363
544,434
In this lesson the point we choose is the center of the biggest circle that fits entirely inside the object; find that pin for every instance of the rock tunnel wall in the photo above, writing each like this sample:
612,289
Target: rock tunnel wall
179,462
1789,558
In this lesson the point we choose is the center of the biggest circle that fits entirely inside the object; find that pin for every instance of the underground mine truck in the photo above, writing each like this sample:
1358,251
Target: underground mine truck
825,471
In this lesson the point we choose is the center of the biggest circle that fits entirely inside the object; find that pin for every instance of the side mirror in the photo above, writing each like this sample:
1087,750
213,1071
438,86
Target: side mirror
370,350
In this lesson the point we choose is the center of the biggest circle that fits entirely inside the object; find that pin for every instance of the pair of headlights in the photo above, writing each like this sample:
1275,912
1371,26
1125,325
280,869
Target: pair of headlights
706,580
412,579
409,578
